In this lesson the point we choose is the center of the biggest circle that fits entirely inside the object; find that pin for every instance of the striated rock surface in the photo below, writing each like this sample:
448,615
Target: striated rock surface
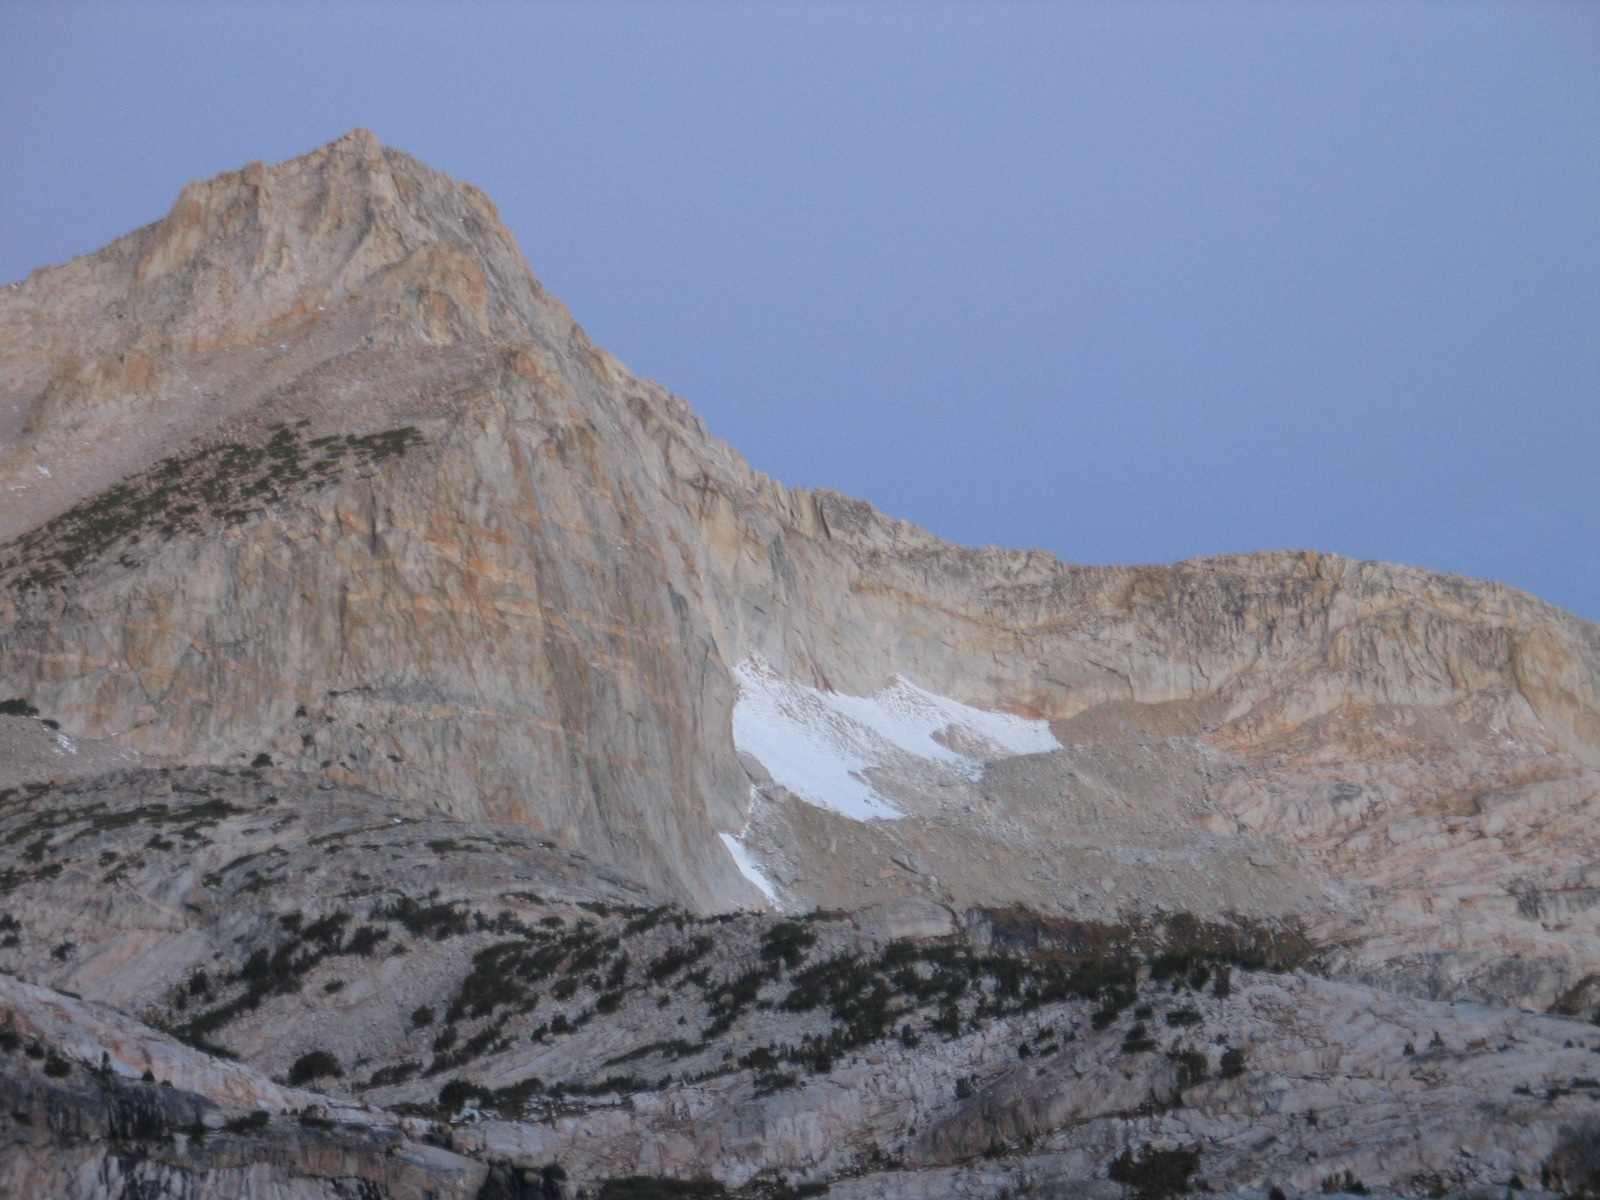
97,1105
343,580
473,1007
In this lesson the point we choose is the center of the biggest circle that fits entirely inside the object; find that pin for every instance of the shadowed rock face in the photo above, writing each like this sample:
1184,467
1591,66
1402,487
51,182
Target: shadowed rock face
313,467
96,1106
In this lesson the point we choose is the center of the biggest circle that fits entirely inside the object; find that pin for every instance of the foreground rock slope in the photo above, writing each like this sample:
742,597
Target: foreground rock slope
400,697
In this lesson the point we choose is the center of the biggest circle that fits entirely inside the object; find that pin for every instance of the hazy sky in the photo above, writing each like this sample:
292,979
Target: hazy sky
1129,282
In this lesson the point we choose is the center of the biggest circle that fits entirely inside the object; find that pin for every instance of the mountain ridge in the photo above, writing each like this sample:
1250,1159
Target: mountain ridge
318,502
367,230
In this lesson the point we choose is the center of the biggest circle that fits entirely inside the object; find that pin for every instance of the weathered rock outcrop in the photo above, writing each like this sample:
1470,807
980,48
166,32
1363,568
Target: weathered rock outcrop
94,1105
522,1011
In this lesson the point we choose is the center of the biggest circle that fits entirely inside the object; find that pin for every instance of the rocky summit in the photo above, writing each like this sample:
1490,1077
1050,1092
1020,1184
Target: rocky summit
431,765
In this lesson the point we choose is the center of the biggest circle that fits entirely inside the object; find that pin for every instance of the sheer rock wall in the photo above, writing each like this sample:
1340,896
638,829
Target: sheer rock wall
531,614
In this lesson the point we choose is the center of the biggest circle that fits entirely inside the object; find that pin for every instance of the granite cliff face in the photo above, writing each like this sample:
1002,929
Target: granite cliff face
314,469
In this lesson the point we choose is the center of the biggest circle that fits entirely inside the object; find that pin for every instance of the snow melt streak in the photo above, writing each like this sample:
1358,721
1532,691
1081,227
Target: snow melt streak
747,866
819,744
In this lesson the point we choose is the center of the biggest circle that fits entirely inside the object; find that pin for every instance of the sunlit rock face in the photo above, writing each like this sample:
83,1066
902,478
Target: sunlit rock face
312,479
459,555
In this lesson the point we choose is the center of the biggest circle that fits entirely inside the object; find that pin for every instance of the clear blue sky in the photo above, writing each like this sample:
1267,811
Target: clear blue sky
1129,282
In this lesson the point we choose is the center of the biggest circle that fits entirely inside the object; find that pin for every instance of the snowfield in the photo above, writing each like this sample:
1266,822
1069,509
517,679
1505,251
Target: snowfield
747,866
819,744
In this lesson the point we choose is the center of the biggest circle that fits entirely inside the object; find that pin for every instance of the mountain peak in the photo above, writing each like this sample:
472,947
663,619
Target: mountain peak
362,143
255,247
353,246
446,636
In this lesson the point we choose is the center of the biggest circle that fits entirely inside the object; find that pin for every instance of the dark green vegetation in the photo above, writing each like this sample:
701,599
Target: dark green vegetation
228,484
787,943
658,1188
46,831
1137,1040
650,1187
275,968
1192,1068
253,1122
1232,1063
1573,1168
54,1065
1347,1184
1179,948
676,957
438,921
842,1002
655,1187
314,1065
1156,1174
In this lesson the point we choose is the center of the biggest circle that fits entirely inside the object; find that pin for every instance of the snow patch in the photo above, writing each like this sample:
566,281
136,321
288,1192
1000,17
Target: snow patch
819,744
747,866
65,744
